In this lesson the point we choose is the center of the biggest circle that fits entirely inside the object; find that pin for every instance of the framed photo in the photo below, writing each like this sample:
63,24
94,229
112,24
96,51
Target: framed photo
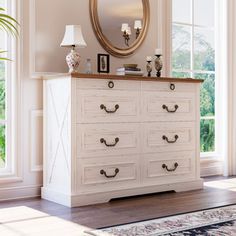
103,61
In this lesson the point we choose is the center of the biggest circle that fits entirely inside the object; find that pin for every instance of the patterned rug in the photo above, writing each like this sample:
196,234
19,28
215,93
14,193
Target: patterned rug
213,222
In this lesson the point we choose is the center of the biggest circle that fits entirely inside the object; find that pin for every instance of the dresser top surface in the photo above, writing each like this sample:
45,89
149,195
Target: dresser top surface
122,77
135,78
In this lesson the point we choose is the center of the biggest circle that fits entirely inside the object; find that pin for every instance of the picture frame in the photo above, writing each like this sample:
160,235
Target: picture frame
103,63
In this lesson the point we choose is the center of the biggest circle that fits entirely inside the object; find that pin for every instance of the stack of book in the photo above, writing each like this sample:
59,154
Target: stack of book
129,71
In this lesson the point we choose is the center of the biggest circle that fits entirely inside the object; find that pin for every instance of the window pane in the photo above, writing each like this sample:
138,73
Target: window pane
181,47
3,42
204,12
2,147
207,94
2,70
204,50
3,45
180,74
207,135
3,3
2,100
181,11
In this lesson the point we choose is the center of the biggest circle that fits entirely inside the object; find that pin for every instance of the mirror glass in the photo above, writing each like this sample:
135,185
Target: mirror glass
120,20
120,25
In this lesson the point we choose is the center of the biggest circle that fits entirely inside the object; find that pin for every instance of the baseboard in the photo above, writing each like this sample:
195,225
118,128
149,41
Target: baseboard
19,192
211,168
93,198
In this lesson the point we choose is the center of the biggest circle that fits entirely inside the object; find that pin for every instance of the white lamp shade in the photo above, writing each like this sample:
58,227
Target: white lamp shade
73,37
124,27
138,24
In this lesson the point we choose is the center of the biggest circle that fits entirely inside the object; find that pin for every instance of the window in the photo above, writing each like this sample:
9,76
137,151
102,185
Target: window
193,55
7,76
3,75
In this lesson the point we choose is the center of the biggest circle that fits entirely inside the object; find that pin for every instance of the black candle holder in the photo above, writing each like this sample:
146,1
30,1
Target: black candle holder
149,68
158,65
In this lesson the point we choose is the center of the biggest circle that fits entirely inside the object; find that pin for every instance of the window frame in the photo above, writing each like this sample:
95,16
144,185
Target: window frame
13,170
218,117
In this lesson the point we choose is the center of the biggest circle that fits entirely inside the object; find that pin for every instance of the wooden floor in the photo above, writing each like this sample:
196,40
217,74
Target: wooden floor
219,192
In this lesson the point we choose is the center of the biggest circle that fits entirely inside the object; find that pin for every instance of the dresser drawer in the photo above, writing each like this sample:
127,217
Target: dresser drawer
107,106
107,139
168,136
108,84
168,86
169,167
163,106
96,176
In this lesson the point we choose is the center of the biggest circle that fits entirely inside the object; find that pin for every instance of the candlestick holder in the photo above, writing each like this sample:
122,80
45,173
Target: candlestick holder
149,68
158,65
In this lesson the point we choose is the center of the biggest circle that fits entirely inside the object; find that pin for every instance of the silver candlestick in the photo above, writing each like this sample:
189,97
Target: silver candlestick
158,65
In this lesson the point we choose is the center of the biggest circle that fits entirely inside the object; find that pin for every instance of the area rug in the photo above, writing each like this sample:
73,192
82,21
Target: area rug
213,222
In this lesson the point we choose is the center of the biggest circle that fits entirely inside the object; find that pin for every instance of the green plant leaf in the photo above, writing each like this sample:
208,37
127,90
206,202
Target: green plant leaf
9,25
4,58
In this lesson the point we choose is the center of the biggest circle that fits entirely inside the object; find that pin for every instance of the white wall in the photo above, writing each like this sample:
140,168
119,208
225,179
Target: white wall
42,25
51,18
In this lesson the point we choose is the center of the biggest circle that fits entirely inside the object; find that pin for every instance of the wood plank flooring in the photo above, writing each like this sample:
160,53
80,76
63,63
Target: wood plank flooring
138,208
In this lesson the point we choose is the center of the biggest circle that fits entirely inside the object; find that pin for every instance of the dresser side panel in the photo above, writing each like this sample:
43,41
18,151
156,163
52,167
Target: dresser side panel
57,135
197,127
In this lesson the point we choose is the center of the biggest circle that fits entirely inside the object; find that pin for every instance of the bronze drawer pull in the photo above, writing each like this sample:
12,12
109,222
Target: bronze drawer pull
103,107
102,140
103,172
164,166
111,84
168,141
170,111
172,87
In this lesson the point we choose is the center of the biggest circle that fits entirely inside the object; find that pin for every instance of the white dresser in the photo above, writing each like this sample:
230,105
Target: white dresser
113,136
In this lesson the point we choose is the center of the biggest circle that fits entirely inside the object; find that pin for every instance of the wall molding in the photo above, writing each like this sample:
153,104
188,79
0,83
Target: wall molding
32,45
34,140
12,193
32,38
210,167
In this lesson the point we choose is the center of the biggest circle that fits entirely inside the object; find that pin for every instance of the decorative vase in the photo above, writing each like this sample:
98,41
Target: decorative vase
73,60
149,68
158,65
88,66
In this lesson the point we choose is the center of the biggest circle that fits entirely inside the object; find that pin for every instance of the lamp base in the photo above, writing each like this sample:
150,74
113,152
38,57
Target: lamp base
73,60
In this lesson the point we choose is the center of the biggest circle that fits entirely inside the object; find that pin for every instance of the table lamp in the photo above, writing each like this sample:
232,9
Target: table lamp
73,38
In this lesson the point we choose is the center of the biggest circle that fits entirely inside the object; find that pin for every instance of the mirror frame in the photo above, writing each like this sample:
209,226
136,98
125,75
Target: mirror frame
106,44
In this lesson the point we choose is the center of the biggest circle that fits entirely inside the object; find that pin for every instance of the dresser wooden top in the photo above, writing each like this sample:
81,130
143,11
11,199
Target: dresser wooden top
122,77
137,78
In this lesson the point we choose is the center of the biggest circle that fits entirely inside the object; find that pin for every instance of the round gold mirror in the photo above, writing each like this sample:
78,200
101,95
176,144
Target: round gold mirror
120,25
